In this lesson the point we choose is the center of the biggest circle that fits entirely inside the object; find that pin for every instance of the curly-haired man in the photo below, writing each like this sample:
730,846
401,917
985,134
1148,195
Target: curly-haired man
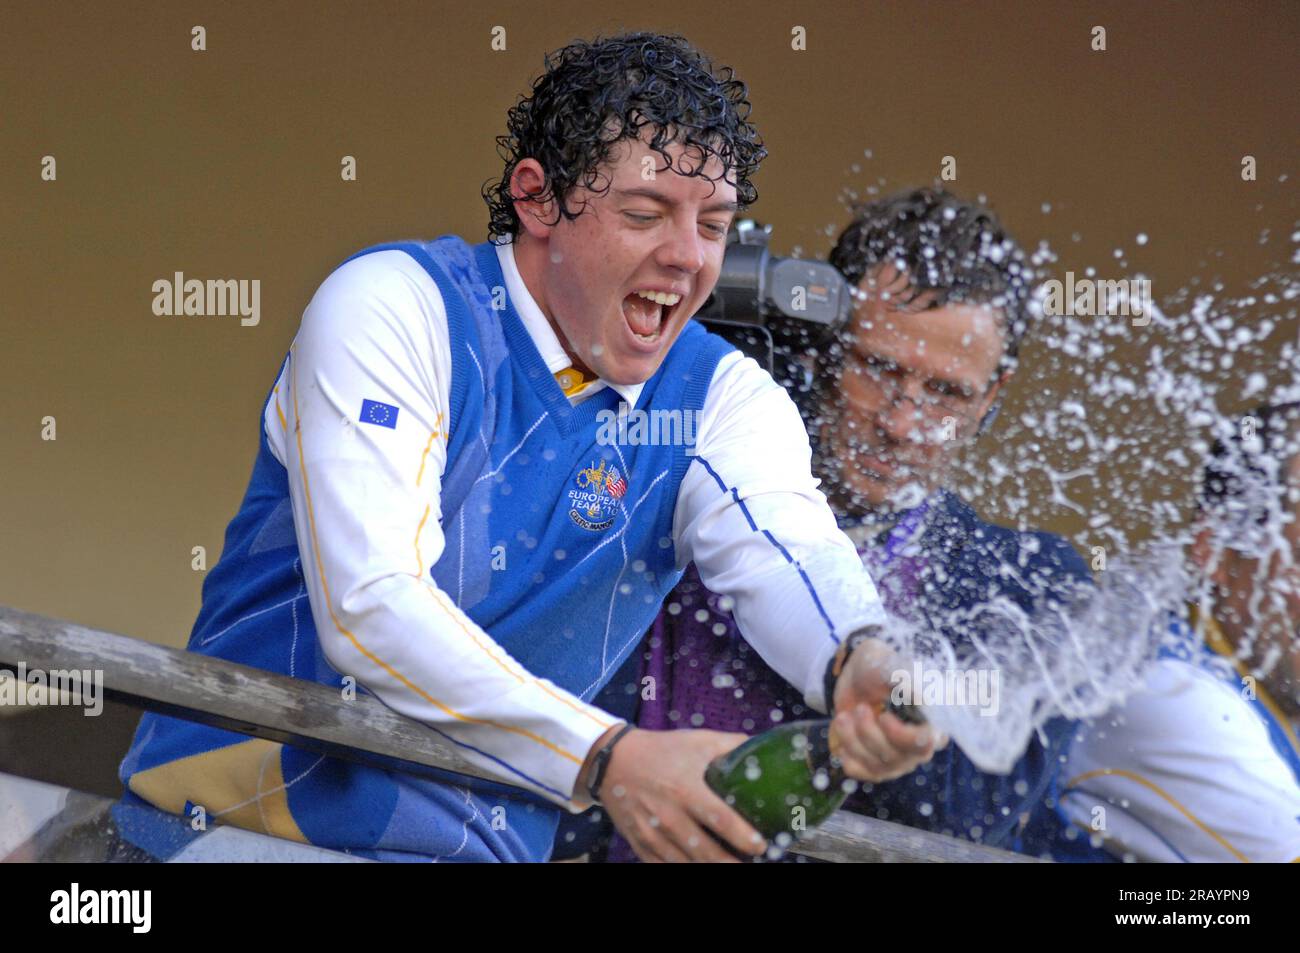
434,513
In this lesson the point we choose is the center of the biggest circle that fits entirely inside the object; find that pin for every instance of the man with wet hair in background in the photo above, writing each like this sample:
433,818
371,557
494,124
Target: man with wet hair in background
916,377
1250,499
1203,763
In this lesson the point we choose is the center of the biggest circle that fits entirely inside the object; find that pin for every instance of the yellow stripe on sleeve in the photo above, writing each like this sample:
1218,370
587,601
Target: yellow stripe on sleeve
415,689
1151,786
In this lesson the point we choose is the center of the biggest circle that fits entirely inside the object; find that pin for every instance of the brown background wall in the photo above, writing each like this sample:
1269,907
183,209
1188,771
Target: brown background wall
225,164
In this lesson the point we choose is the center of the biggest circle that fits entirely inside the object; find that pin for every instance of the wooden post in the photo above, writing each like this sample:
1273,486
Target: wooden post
225,694
314,717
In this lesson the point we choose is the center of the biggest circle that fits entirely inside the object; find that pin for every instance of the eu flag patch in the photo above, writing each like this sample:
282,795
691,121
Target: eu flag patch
381,415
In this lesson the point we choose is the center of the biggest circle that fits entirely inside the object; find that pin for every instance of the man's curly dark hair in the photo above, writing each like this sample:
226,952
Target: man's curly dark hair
952,247
595,94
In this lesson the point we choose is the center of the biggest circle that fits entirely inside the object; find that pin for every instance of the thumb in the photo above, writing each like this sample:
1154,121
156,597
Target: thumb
720,742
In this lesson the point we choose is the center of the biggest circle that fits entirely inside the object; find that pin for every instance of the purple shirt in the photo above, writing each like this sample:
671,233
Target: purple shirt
707,676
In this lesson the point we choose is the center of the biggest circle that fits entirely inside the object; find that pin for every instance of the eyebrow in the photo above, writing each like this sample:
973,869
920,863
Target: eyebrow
959,386
656,196
868,355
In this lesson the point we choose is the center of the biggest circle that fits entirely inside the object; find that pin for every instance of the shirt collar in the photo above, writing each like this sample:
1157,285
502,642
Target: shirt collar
543,335
867,528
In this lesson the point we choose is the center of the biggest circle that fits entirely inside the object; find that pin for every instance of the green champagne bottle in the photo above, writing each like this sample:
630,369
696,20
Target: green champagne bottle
783,781
786,781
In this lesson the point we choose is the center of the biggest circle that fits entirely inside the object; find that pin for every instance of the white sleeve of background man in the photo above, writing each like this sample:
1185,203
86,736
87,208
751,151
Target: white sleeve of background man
1184,769
751,517
366,506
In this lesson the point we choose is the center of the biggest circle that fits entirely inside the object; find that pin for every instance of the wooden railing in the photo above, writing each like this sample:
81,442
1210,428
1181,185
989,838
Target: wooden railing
314,717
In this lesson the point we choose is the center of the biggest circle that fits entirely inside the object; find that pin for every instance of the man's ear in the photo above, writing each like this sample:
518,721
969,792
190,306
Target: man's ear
1201,552
1216,566
536,217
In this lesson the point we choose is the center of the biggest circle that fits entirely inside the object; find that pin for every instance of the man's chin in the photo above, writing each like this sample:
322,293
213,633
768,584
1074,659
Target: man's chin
874,492
907,495
862,494
627,370
628,373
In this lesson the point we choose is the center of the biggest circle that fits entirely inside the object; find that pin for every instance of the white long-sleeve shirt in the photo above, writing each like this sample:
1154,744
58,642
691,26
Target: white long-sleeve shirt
1185,770
368,521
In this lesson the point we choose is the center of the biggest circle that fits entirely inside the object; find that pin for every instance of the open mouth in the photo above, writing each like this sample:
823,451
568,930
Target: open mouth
648,312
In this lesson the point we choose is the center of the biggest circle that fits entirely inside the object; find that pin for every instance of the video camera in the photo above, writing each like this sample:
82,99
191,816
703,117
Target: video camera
778,310
767,306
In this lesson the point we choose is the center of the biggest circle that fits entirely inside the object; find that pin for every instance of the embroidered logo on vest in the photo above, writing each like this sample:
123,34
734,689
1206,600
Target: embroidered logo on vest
595,501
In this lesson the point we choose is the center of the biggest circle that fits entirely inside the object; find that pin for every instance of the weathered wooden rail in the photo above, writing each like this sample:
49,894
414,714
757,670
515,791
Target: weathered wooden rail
296,712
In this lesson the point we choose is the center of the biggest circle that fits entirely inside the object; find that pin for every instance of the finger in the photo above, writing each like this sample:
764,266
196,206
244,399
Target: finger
641,830
643,849
904,737
691,840
905,746
716,815
645,853
864,769
661,843
641,846
699,844
895,760
875,770
684,840
861,737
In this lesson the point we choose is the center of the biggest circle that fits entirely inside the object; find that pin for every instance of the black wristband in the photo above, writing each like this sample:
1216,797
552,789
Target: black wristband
836,664
601,762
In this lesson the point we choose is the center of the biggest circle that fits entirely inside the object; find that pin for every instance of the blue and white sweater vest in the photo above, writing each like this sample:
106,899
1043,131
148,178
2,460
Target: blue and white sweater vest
588,525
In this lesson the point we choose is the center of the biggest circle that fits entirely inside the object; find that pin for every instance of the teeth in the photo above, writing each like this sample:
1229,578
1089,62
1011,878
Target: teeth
660,297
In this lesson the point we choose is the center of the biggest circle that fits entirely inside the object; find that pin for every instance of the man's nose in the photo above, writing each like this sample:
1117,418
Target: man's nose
683,248
901,419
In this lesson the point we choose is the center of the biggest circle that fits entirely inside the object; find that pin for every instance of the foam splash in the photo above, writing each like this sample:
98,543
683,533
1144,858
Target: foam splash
1075,659
1109,423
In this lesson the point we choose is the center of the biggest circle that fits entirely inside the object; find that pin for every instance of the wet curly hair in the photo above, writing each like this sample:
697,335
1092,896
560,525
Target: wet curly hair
954,248
949,246
1236,461
592,95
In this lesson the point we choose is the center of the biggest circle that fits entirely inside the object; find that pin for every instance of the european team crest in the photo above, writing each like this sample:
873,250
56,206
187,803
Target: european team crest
595,501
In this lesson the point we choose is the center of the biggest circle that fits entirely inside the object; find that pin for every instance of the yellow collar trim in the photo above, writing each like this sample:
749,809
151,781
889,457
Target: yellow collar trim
572,381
